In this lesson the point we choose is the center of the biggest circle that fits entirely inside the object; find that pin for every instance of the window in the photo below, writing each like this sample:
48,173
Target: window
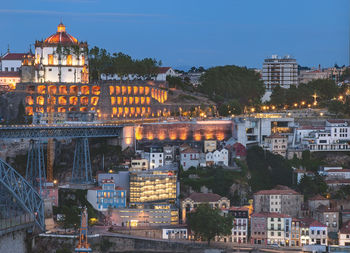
69,59
50,69
12,69
70,70
50,60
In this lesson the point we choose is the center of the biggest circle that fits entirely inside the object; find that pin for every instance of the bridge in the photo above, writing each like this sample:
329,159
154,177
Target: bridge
82,172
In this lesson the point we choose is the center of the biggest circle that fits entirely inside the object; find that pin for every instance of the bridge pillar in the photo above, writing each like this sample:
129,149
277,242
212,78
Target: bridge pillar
35,171
82,172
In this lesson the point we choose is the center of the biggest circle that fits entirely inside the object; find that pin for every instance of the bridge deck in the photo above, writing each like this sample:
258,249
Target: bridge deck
59,131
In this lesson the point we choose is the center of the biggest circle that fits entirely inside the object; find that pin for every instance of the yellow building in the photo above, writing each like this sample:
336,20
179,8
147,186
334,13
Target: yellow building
153,185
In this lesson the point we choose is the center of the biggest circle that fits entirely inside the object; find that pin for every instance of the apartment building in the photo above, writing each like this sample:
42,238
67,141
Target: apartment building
277,144
295,232
279,229
328,216
313,232
240,224
155,156
258,228
344,234
189,157
281,199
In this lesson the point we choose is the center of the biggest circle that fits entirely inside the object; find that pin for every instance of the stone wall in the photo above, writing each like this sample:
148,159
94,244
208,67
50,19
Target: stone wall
13,242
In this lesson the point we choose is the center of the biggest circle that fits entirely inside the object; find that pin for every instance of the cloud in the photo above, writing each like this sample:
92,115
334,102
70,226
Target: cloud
48,12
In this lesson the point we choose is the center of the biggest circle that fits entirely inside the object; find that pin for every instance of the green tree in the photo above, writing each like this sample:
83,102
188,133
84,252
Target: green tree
232,82
310,186
336,107
206,223
21,114
278,96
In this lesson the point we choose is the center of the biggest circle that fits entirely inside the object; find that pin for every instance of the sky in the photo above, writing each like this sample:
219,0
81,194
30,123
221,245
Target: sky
185,33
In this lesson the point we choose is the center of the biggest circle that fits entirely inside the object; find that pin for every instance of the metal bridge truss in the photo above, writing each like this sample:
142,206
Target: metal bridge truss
59,131
23,192
82,172
35,171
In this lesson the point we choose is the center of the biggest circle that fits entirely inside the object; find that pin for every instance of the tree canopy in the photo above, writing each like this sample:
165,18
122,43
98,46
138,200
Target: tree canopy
206,223
232,82
101,61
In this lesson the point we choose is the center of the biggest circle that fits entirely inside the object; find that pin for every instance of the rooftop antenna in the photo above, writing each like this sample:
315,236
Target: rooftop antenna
8,48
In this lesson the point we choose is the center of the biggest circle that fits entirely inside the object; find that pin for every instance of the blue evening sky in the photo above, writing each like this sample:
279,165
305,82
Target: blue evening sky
184,33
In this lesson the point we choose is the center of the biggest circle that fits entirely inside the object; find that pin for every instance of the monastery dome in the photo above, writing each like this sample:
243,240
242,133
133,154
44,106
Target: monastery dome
61,37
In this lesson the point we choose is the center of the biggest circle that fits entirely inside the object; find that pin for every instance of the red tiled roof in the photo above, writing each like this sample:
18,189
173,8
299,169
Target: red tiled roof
162,70
61,37
263,215
9,74
335,170
316,223
190,150
278,215
345,229
326,209
318,197
238,208
204,197
309,222
13,56
278,190
336,120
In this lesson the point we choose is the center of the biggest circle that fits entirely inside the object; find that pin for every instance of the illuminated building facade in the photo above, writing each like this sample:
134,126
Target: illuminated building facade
151,215
134,100
157,185
61,58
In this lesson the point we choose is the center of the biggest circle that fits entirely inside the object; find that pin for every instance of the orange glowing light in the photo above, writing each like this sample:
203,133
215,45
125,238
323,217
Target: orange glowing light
126,110
120,110
123,90
85,90
111,90
96,90
61,109
29,110
135,90
132,110
138,133
141,90
69,59
62,100
82,60
150,136
114,110
137,100
183,135
40,100
131,100
125,100
161,135
197,137
129,90
138,110
142,100
117,90
73,90
149,109
148,100
143,110
119,100
152,93
94,100
83,109
146,90
84,101
113,100
62,90
50,60
40,109
220,136
41,89
165,96
51,100
172,135
73,100
29,100
52,89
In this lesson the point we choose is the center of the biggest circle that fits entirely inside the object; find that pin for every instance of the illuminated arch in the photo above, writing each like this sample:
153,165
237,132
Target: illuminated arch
62,100
96,90
40,100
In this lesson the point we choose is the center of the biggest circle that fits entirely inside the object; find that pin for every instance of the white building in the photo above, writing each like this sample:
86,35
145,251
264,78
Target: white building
253,130
189,158
344,235
217,157
155,156
11,62
61,58
279,229
334,137
276,144
162,74
313,232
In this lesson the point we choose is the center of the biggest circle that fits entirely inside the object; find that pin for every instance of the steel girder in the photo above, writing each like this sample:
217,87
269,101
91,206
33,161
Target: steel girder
24,192
35,171
59,131
82,172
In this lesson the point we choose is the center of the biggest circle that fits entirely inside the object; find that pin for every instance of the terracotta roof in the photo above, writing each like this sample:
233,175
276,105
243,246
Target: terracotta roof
309,222
345,229
162,70
271,215
335,170
190,150
9,74
238,208
204,197
61,37
263,215
336,121
317,197
13,56
326,209
278,190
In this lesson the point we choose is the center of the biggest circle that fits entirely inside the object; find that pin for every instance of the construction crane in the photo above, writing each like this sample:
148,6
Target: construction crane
83,245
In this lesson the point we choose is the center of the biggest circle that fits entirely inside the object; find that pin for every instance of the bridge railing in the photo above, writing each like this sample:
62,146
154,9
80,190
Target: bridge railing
16,221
